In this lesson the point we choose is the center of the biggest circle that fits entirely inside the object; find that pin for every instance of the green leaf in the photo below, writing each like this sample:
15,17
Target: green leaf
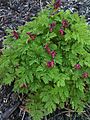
46,79
61,83
8,79
40,68
30,76
58,58
31,62
50,36
80,85
53,73
53,46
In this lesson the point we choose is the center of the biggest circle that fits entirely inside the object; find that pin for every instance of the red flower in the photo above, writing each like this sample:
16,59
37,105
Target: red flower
61,31
77,66
85,75
15,34
46,46
32,36
52,25
57,4
47,49
50,29
50,64
28,33
65,23
53,54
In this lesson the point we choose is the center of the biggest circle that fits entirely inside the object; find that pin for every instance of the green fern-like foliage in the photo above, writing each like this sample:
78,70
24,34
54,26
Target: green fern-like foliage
49,60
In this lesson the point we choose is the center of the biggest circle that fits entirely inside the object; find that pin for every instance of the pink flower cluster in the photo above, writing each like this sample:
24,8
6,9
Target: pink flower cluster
52,53
50,64
85,75
52,26
61,31
78,67
65,24
32,36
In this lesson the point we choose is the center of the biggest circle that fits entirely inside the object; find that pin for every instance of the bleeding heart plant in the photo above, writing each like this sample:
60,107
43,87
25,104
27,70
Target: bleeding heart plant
49,61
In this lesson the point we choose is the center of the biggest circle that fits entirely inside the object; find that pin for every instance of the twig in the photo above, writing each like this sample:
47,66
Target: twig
23,115
45,118
58,114
88,117
32,6
41,5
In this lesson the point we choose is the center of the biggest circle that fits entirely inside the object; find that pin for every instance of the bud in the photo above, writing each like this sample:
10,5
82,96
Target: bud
47,49
77,66
28,33
50,64
85,75
53,24
61,31
53,54
33,37
46,46
65,23
50,29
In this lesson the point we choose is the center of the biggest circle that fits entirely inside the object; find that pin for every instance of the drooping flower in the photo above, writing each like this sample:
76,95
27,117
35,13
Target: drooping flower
85,75
57,4
52,25
77,66
50,64
28,33
50,29
53,54
32,36
47,49
61,31
15,34
46,46
65,23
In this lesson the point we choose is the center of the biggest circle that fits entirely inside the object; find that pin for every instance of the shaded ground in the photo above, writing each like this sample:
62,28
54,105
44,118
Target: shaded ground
16,13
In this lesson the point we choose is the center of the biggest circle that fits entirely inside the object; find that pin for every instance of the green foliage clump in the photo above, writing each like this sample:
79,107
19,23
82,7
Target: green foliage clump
49,60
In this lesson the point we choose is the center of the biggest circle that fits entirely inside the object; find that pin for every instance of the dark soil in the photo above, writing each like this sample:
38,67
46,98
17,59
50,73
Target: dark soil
14,13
